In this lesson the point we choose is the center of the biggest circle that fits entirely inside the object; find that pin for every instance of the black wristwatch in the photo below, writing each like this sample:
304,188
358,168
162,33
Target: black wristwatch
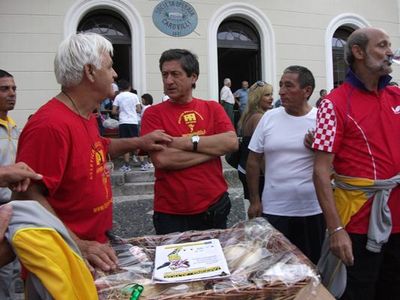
195,142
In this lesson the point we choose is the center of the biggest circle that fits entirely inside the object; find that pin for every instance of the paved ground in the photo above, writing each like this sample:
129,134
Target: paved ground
134,218
133,213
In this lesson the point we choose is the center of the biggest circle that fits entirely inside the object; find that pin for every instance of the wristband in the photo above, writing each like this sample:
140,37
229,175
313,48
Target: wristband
335,230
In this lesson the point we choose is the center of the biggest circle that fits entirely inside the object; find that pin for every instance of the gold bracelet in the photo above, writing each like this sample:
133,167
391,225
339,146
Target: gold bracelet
335,230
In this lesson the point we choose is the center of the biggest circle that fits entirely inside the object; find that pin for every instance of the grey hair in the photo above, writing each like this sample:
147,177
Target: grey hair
358,37
227,80
305,77
75,52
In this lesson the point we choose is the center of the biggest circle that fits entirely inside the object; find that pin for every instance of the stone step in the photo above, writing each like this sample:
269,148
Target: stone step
139,182
140,176
133,188
136,175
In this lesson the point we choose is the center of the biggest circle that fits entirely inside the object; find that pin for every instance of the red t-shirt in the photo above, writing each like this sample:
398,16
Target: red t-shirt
70,154
362,128
194,189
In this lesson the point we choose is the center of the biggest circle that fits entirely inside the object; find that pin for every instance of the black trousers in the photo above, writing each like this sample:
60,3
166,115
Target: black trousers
215,217
307,233
374,276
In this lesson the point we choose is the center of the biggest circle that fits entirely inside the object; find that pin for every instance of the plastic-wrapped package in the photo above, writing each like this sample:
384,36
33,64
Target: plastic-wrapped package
262,262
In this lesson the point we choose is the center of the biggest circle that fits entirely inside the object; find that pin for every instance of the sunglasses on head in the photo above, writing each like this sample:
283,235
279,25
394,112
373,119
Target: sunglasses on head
259,83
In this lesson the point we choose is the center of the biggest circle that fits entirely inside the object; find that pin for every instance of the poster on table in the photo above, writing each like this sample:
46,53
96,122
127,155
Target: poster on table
190,262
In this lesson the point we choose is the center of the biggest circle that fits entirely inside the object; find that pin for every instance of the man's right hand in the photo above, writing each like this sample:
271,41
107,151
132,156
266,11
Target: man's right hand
98,255
154,141
341,246
255,209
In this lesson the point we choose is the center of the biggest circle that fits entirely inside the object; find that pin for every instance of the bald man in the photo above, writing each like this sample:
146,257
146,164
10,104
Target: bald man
358,133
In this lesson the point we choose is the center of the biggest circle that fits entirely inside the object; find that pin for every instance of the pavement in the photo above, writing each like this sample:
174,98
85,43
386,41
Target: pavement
133,200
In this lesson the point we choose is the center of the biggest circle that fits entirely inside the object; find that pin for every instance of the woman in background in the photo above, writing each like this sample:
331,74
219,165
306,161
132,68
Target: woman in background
259,101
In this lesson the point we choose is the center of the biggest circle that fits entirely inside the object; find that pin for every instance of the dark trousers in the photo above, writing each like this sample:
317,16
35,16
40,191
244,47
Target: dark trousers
229,110
215,217
374,276
307,233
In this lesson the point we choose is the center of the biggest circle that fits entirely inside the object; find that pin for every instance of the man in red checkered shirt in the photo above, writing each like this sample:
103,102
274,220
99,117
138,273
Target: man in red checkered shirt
358,133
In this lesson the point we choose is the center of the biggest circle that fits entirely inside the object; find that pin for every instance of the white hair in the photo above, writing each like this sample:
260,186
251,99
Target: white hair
75,52
226,81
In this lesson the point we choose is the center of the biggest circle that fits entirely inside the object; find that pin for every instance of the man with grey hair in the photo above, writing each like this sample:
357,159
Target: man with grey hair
227,98
358,133
62,142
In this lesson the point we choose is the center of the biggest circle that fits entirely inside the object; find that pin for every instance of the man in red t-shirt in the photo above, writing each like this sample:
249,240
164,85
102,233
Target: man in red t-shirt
190,189
358,133
61,141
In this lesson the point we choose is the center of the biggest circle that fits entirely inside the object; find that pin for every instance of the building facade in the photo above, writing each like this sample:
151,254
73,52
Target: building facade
247,40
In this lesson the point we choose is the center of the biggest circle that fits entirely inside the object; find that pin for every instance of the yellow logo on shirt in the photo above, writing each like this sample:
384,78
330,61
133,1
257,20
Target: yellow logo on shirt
190,118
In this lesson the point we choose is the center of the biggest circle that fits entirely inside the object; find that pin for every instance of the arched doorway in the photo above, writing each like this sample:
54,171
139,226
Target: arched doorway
339,65
113,27
238,52
349,21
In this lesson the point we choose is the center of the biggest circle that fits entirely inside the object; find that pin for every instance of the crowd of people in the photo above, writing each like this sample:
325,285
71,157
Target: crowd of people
290,156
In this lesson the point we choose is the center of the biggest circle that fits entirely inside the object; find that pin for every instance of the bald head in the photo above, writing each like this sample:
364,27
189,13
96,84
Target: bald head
360,38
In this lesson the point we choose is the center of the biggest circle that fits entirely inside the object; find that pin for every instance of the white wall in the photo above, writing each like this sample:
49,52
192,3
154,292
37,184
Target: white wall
30,32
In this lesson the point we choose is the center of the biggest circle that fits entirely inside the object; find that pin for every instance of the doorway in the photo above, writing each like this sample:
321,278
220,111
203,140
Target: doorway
113,27
238,54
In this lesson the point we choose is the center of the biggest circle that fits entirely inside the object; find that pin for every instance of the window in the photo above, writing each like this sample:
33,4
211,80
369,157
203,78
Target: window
338,44
237,33
109,25
113,27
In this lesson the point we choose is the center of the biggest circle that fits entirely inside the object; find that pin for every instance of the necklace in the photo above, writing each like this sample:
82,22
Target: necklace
74,105
109,165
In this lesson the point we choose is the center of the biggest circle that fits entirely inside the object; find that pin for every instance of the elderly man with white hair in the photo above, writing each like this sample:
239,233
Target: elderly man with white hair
61,141
227,98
